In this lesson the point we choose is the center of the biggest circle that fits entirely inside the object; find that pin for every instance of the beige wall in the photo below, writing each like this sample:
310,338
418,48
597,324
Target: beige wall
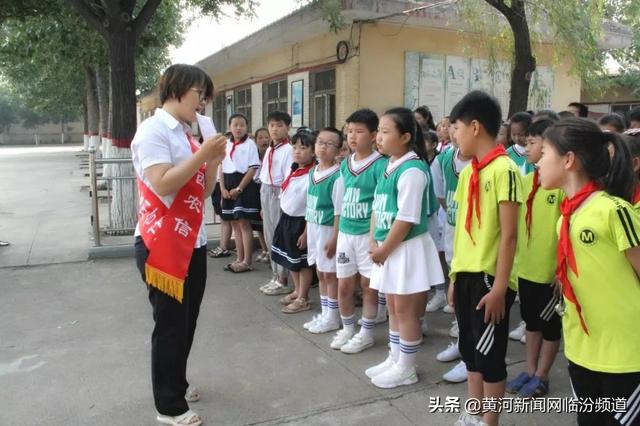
382,62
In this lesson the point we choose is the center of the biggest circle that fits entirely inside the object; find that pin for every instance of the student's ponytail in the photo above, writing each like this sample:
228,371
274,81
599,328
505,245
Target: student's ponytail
614,171
620,179
406,123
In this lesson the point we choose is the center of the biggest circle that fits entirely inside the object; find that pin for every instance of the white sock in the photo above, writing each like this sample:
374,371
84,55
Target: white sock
334,312
408,352
324,305
382,303
348,323
367,327
394,344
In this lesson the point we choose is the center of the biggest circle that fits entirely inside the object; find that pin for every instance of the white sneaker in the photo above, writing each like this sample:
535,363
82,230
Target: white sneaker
324,326
396,376
457,374
454,331
424,326
518,332
268,285
438,301
342,337
467,419
357,344
448,309
523,339
372,372
451,353
277,289
315,319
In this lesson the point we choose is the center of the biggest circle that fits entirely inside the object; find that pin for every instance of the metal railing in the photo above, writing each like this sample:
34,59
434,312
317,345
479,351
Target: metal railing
94,177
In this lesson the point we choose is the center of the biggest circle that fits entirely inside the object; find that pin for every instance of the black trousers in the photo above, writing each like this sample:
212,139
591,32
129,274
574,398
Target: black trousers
175,325
595,385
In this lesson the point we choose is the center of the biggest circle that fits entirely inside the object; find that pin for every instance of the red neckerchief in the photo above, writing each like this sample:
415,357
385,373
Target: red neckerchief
565,250
273,150
170,233
297,172
235,143
636,195
532,195
473,198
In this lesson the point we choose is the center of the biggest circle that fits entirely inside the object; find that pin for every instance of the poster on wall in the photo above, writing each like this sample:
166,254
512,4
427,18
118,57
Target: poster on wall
431,89
541,88
297,103
457,81
480,76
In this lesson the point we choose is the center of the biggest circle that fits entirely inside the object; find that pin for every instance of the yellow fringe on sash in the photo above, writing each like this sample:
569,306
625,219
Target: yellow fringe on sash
168,284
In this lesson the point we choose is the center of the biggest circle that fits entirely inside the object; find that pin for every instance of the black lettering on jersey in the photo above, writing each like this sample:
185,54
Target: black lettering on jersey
551,198
588,237
487,186
342,258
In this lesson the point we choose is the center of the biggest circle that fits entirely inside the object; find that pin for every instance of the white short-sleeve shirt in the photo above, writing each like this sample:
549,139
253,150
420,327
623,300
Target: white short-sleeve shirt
282,158
162,139
293,200
411,185
245,157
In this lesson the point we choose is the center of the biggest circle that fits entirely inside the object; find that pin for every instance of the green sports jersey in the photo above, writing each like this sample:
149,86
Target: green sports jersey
320,209
433,206
447,162
385,204
359,188
520,160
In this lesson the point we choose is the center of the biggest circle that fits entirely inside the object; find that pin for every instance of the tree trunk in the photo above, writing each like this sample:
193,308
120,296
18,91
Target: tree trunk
93,117
123,89
85,122
62,131
525,63
102,84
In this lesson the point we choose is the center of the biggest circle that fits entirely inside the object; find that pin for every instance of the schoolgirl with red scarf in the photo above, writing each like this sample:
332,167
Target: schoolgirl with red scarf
598,263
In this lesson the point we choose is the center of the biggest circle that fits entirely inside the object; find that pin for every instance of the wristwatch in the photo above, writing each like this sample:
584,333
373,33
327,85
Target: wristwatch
239,190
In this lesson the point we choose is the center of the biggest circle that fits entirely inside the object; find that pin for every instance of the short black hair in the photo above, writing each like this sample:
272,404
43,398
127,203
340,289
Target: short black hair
538,127
546,113
238,115
365,116
480,106
583,110
615,120
335,131
634,114
279,116
565,114
305,136
523,118
430,136
632,139
178,79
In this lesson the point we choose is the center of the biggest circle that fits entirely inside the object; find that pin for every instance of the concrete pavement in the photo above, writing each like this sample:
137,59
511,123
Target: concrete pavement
75,335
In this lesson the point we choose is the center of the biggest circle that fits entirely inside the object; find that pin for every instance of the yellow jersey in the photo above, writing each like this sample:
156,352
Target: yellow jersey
536,256
606,287
500,181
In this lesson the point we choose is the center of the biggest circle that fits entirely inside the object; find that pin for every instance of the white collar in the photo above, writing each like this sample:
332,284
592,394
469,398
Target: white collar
408,156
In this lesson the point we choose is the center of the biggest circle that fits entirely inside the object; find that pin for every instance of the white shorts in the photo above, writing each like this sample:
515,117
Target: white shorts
352,255
449,233
435,230
413,267
317,238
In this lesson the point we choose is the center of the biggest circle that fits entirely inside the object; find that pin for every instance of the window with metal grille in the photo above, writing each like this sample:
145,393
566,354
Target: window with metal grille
274,95
220,112
322,88
243,103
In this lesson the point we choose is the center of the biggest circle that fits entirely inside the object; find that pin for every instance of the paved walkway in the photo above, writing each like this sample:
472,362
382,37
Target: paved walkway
74,334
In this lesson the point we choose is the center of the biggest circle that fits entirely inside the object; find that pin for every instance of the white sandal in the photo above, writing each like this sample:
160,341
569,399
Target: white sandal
190,418
192,395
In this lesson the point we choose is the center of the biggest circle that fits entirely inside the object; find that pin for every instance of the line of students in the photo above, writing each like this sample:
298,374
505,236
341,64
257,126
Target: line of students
366,221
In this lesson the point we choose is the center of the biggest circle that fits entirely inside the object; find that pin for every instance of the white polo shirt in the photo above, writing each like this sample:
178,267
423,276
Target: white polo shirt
293,200
245,157
162,139
282,159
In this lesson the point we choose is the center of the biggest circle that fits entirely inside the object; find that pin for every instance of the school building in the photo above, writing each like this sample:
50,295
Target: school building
383,57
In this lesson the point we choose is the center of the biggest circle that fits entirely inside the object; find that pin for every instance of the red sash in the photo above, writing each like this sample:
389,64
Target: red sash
170,233
297,172
529,215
